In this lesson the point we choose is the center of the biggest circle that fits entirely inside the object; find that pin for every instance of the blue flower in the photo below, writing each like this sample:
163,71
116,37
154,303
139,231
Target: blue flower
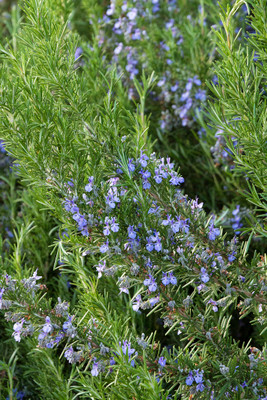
137,302
17,327
89,186
131,165
154,300
118,49
149,245
165,280
176,180
196,80
157,177
172,278
126,349
175,87
114,225
101,268
145,174
78,53
214,305
189,380
162,361
213,232
112,361
204,275
231,257
105,247
185,96
106,230
69,354
198,376
151,283
200,387
132,14
146,184
131,232
95,370
143,159
47,326
201,95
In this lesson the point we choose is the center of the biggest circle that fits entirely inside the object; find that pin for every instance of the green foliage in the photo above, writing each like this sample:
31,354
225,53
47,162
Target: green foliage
64,120
240,107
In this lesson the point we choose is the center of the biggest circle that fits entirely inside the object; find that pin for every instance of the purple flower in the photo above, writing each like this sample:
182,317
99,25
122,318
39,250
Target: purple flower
201,95
146,184
162,361
71,206
78,53
165,280
131,232
236,220
145,174
69,354
112,361
118,49
189,380
175,180
17,327
143,159
196,80
161,82
105,247
231,256
1,297
204,275
149,245
185,96
106,230
136,303
101,268
198,376
157,177
95,370
175,87
136,34
89,186
114,225
158,245
167,221
132,14
172,278
214,303
110,201
131,165
213,232
47,326
126,348
168,278
68,328
151,283
154,300
2,147
200,387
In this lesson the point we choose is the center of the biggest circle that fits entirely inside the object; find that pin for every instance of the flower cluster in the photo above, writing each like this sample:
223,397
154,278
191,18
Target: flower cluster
151,234
196,377
58,328
127,41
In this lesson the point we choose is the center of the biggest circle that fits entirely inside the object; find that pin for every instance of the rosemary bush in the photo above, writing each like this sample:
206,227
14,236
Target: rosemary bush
175,40
155,293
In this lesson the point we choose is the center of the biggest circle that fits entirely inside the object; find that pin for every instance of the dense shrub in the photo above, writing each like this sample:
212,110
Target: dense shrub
152,294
